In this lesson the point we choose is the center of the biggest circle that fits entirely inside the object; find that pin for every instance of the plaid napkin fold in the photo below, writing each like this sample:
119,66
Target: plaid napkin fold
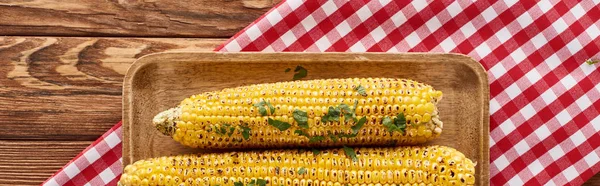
545,100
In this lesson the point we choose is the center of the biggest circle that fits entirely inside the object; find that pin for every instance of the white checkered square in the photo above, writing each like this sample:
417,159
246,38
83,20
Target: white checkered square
521,147
483,50
513,91
559,25
501,162
329,7
535,167
583,102
107,175
507,127
412,39
556,152
433,24
253,32
497,70
568,81
364,13
489,14
503,35
274,17
570,173
533,76
288,38
92,155
71,170
578,138
539,40
454,9
516,180
563,117
112,140
542,132
468,29
591,159
447,45
524,20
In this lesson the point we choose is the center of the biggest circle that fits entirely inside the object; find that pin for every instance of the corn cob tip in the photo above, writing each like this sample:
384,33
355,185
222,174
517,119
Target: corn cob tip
165,121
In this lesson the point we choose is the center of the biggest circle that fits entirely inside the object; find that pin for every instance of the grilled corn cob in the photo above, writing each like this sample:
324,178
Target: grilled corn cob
232,117
428,165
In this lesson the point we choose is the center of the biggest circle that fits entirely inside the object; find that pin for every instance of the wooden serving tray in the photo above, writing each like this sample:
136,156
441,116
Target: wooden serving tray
158,82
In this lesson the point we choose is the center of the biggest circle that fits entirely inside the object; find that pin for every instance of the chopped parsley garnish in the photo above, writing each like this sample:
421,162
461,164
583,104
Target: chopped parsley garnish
333,113
361,122
361,90
301,171
239,183
261,107
334,138
301,133
281,125
301,72
301,118
314,139
350,153
222,130
258,182
287,69
316,152
397,124
245,131
592,61
347,135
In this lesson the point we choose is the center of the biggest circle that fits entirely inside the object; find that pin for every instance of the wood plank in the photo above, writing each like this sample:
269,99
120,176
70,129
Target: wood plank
161,18
70,88
594,181
32,162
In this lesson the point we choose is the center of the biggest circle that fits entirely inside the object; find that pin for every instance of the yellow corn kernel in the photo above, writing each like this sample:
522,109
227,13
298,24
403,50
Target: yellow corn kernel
411,165
213,114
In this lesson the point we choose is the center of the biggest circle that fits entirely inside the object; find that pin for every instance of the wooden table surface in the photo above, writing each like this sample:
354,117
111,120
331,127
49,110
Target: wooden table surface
62,65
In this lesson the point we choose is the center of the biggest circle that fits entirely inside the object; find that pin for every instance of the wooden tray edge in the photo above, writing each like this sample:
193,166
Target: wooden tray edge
258,57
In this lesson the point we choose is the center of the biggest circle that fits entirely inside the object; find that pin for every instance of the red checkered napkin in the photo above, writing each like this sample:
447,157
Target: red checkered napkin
99,164
545,101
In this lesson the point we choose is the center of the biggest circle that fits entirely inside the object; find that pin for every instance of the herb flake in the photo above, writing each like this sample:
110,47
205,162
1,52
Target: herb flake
361,122
334,138
314,139
245,131
397,124
301,171
592,61
239,183
316,152
361,90
261,108
350,153
301,133
288,69
281,125
301,118
301,72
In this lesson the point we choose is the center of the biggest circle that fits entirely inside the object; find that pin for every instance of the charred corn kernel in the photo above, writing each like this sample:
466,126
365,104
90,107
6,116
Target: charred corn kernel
413,165
215,119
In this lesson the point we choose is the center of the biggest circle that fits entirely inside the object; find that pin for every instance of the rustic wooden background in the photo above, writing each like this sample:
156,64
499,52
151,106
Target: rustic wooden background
62,65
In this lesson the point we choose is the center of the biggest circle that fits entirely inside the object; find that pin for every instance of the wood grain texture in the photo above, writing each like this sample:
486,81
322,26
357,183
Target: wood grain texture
594,181
158,82
70,88
160,18
32,162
